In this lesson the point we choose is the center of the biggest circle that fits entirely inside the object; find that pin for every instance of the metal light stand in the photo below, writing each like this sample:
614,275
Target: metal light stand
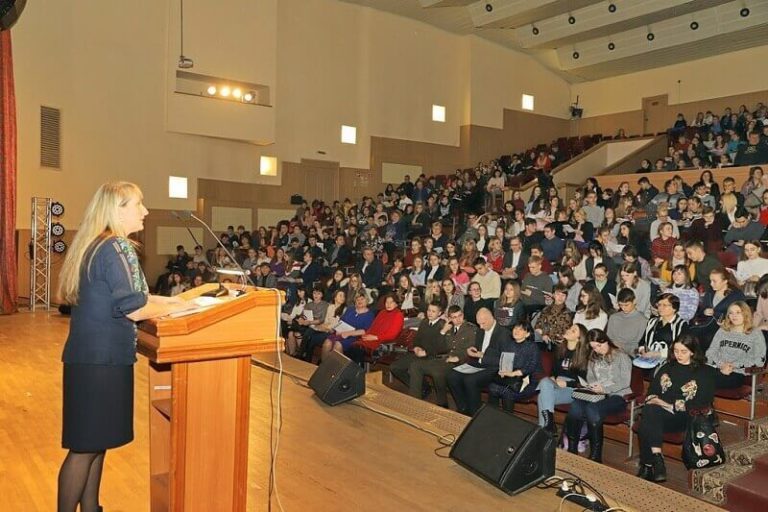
40,264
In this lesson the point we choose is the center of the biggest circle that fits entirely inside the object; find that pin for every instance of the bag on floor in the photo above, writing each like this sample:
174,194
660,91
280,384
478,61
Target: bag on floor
702,446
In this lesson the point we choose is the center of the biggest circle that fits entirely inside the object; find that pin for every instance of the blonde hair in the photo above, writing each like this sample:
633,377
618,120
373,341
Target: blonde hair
728,201
746,312
100,221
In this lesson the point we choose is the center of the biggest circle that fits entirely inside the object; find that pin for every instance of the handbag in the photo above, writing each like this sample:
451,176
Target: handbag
587,396
702,446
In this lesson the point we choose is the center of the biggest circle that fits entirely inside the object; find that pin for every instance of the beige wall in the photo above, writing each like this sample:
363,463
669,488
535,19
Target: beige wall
723,75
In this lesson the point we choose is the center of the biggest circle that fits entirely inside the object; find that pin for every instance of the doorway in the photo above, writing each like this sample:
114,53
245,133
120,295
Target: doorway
655,114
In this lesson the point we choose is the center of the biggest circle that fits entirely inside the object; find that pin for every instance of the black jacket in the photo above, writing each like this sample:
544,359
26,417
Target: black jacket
501,341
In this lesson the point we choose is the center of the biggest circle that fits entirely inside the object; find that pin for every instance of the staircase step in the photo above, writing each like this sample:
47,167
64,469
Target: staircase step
748,492
758,430
745,452
710,483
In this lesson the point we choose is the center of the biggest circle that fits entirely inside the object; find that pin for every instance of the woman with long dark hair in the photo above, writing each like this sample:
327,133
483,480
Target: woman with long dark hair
609,372
570,364
684,383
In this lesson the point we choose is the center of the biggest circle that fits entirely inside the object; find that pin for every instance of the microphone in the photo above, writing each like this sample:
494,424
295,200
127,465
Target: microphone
179,216
186,215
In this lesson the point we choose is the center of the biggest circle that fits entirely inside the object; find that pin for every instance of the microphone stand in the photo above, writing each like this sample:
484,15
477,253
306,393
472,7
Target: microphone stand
245,273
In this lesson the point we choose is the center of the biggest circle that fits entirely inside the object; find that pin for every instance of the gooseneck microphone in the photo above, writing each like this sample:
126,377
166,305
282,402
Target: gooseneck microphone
185,215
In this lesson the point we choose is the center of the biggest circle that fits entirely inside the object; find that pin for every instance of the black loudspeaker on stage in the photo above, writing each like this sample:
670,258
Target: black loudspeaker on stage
338,379
509,452
10,10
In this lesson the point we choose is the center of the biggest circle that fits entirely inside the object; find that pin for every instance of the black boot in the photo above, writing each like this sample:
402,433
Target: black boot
572,430
658,469
644,471
595,434
508,405
549,422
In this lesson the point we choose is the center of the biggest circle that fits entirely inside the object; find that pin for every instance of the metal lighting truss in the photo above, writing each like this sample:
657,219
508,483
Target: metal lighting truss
40,264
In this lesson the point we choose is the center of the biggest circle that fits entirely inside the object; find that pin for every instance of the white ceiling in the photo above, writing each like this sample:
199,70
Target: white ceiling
608,41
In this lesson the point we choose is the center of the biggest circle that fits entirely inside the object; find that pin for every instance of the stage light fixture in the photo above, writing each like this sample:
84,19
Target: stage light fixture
571,19
488,8
650,36
57,209
59,246
211,90
535,30
744,12
576,55
225,91
611,46
237,93
248,97
694,25
57,229
611,7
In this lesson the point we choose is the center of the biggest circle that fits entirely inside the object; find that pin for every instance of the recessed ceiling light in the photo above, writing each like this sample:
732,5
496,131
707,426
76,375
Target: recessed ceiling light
488,7
576,55
611,7
744,12
650,36
611,46
571,19
535,31
694,25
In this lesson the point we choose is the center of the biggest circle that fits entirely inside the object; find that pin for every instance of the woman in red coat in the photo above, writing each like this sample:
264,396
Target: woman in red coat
386,327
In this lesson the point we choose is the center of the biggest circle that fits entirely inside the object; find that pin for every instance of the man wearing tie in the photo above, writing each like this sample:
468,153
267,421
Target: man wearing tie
491,340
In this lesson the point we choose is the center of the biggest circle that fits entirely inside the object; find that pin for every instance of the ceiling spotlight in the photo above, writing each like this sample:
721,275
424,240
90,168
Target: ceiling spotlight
248,97
576,55
611,7
694,25
225,91
237,93
744,12
211,90
57,209
611,46
535,30
650,36
488,7
571,19
57,229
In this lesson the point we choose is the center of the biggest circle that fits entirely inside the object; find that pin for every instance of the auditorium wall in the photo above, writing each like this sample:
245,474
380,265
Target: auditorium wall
110,68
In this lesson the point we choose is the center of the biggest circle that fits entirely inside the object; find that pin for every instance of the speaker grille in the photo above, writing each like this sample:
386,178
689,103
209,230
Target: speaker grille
50,137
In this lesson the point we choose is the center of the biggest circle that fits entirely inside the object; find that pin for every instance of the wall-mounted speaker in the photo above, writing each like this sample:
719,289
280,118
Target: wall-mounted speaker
507,451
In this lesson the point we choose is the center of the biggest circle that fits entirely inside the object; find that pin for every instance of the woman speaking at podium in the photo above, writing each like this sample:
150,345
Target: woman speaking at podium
102,280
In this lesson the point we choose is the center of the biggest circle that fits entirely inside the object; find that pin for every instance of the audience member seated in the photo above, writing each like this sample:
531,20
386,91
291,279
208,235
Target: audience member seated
385,328
555,319
683,384
609,372
626,326
570,364
508,309
590,312
475,302
630,280
536,286
724,291
703,263
491,340
489,281
737,346
511,385
428,345
358,317
681,287
663,329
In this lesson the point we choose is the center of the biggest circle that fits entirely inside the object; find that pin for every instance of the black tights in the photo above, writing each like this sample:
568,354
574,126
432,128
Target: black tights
79,480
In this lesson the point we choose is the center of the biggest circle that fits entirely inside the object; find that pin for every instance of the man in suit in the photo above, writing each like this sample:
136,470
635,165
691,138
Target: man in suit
427,345
515,260
264,277
457,335
492,339
371,270
311,271
341,255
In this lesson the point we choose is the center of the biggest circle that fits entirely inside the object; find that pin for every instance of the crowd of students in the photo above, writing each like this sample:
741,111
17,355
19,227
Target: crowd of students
674,279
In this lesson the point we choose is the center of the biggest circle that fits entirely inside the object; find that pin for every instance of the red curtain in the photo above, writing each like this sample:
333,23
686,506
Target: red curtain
8,279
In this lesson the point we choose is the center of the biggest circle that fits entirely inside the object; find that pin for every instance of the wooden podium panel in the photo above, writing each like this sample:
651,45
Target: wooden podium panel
199,394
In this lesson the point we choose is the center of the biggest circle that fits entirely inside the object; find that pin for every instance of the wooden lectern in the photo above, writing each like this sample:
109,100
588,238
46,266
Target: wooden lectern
199,395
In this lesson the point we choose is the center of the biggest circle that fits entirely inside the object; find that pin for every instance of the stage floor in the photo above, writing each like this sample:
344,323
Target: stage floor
330,459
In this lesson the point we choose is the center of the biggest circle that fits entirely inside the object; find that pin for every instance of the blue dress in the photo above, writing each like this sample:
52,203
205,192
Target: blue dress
358,321
101,349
